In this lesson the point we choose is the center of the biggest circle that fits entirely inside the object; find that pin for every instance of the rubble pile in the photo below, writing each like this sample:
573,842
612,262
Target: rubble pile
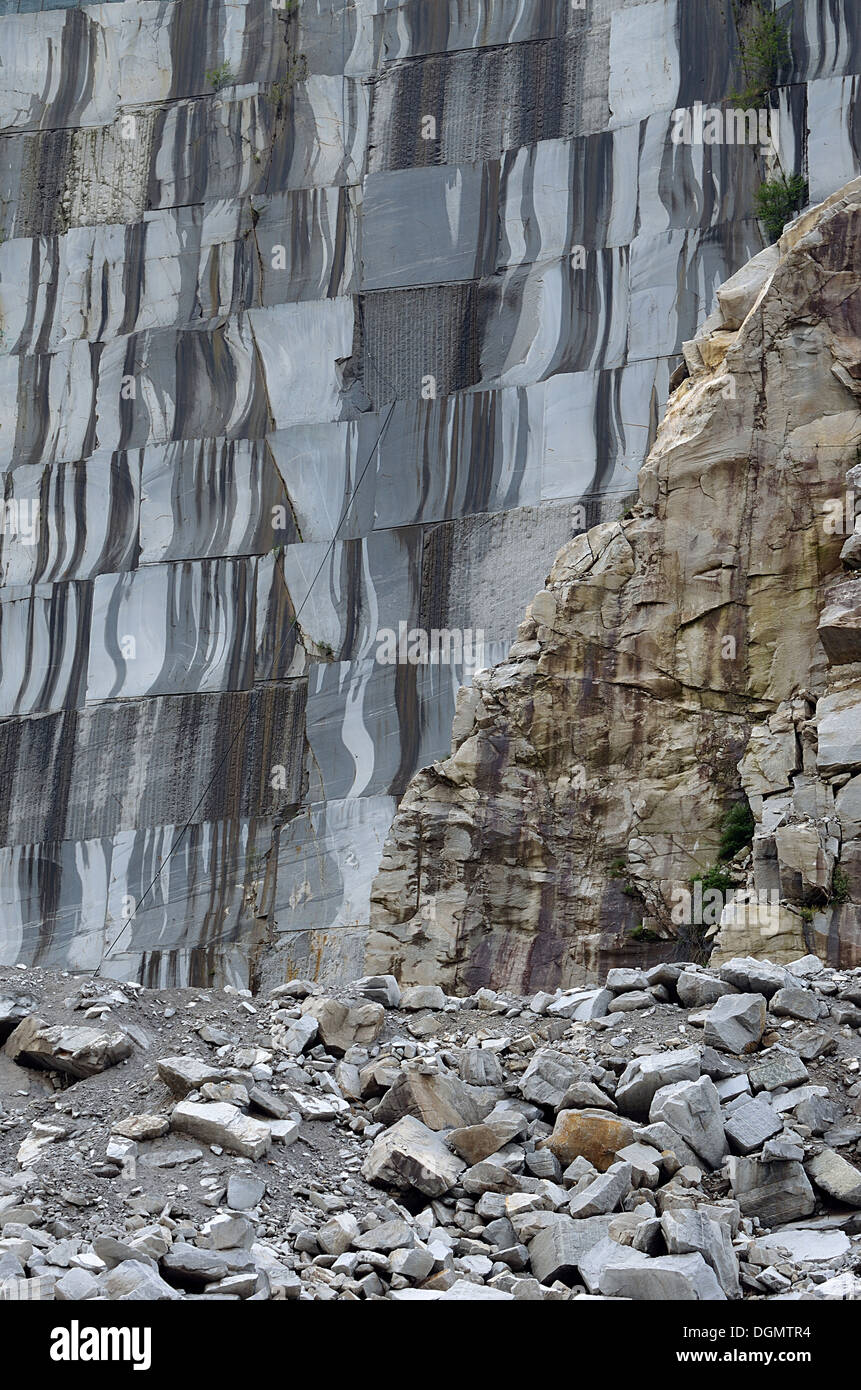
676,1133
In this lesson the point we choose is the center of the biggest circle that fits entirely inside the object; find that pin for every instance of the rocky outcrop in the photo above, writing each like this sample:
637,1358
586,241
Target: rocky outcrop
698,651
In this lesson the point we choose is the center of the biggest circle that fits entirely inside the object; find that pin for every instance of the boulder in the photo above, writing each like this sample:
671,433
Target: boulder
416,997
835,1175
584,1095
750,1125
184,1074
380,989
670,1278
692,1109
665,1139
696,990
133,1281
753,976
644,1076
622,980
604,1194
692,1231
142,1126
410,1155
556,1251
776,1068
72,1049
735,1023
775,1192
342,1026
630,1001
581,1005
477,1142
439,1099
591,1134
549,1075
479,1066
296,1035
796,1003
388,1236
805,1247
244,1191
222,1124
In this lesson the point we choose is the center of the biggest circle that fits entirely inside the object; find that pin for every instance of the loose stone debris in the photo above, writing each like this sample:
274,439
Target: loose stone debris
676,1133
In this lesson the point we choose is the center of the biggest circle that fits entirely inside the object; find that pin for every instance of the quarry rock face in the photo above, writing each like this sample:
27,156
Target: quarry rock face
322,325
674,661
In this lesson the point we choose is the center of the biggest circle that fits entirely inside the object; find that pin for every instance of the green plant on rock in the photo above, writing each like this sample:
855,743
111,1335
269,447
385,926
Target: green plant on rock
715,877
219,77
764,42
737,830
839,886
297,72
778,200
644,933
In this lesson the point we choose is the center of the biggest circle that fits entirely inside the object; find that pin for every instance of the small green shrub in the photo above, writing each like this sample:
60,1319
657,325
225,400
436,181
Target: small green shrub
297,72
839,886
736,830
220,77
715,877
764,41
778,200
643,933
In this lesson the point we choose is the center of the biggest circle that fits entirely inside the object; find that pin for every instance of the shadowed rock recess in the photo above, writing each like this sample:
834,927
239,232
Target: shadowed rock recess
236,244
705,647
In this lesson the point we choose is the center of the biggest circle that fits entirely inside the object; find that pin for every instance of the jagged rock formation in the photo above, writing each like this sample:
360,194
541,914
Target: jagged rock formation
168,378
708,642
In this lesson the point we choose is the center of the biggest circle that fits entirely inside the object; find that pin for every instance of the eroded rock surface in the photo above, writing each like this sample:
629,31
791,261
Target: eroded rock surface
674,662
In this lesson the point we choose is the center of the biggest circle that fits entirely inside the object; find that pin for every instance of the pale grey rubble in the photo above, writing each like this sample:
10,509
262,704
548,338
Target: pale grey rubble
369,1143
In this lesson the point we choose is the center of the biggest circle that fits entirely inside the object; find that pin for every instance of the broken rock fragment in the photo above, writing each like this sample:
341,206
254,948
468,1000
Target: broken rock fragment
184,1074
409,1155
438,1098
591,1134
775,1192
342,1026
643,1077
75,1051
222,1124
837,1176
693,1110
735,1023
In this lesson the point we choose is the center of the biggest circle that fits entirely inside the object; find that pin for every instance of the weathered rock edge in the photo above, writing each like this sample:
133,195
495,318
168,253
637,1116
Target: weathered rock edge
706,643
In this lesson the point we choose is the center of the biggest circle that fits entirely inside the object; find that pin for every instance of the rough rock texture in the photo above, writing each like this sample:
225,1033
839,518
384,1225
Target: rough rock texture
672,661
236,1168
194,408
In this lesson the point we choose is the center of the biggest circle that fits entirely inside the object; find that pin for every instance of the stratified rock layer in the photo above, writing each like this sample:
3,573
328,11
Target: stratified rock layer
233,255
673,659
